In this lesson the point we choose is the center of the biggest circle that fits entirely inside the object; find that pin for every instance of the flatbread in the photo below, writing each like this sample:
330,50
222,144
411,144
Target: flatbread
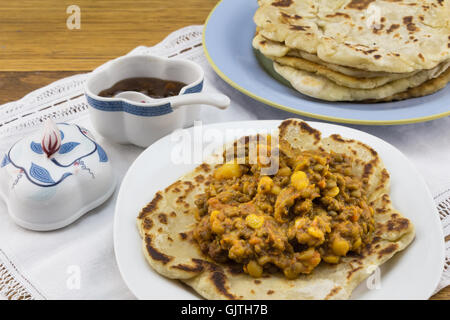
320,87
429,87
337,77
275,50
374,35
165,224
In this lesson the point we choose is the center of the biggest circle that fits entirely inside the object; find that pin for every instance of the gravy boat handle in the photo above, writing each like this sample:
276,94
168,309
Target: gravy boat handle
217,100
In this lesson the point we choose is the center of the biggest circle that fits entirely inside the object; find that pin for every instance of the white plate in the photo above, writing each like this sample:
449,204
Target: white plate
411,274
227,40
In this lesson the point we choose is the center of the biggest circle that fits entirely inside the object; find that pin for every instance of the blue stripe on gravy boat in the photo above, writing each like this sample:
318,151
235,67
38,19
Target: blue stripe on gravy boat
197,88
145,111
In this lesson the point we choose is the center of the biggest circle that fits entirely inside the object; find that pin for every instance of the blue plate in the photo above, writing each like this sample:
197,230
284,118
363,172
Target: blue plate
227,40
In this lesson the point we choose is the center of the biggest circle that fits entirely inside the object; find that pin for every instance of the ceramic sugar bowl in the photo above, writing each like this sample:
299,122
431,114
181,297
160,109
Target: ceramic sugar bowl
51,178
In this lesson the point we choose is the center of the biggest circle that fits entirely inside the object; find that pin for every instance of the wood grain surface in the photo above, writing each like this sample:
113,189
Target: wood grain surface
37,48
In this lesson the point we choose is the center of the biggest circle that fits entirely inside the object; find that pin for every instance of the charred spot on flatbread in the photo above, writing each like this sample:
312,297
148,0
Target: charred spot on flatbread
154,253
152,206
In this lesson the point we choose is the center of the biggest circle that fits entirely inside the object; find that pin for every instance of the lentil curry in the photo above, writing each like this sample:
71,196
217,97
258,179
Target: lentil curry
313,209
313,229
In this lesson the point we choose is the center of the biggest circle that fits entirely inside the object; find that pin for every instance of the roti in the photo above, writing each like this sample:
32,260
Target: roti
274,50
374,35
429,87
318,86
167,222
346,76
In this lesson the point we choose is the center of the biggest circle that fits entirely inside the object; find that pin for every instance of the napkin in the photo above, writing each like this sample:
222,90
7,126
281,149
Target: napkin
77,262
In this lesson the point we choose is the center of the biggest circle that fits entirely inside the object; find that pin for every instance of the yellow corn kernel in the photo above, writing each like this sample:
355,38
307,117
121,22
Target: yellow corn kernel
217,227
254,221
331,259
315,232
333,192
285,172
213,215
254,269
265,184
228,170
276,190
357,243
340,246
299,180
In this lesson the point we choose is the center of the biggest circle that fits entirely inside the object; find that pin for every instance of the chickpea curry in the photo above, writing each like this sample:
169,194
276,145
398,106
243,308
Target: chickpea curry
312,209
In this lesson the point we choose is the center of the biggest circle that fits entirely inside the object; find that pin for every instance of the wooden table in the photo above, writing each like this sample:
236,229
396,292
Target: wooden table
37,48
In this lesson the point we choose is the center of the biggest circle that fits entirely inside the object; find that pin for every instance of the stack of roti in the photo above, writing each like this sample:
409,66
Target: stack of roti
357,50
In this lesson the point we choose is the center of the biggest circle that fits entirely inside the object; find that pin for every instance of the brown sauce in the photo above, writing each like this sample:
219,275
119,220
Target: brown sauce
152,87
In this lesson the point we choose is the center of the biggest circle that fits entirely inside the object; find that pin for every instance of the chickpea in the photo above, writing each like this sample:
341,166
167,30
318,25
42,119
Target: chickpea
254,269
276,190
299,180
315,232
285,172
340,246
331,259
265,184
254,221
213,215
217,227
228,170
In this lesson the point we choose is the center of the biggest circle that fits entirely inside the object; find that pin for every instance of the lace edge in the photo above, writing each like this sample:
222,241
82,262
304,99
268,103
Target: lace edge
13,285
183,43
442,201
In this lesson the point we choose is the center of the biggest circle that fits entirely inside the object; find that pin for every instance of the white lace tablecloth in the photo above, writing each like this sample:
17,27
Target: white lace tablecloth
78,261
